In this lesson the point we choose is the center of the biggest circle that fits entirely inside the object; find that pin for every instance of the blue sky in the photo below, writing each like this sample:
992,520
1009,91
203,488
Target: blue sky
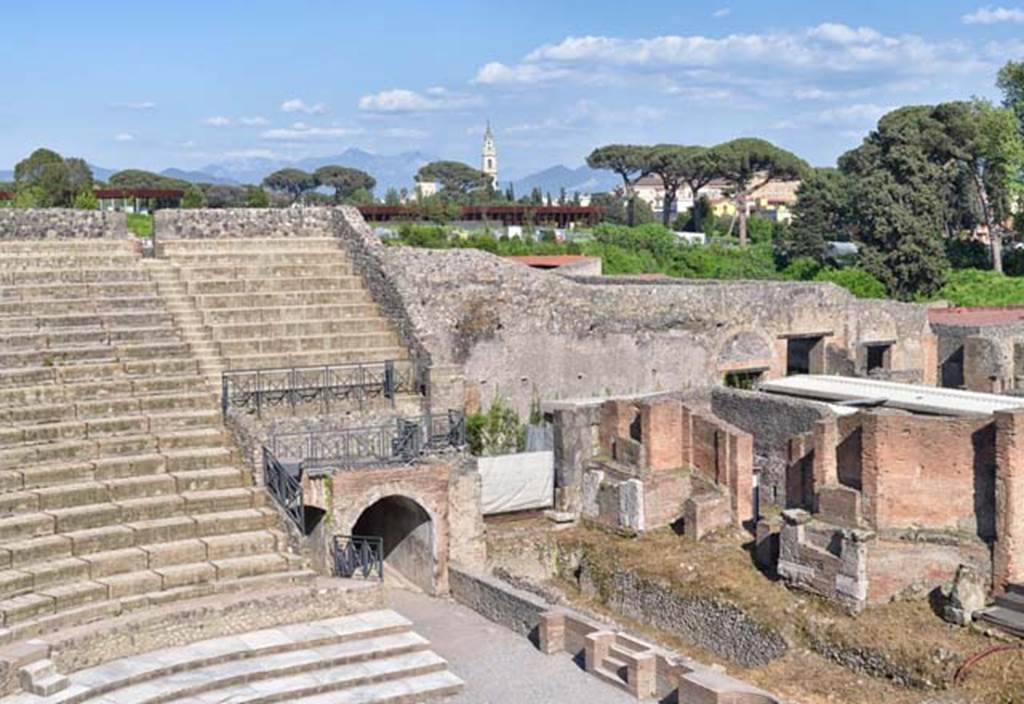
184,84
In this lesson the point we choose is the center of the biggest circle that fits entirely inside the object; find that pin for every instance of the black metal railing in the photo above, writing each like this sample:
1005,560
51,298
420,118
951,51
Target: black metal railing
358,555
285,487
403,442
254,390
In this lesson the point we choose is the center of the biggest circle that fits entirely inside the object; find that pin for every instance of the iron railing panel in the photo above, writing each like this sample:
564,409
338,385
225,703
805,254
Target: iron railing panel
358,554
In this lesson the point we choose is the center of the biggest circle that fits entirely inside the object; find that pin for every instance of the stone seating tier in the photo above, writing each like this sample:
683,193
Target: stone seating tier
118,483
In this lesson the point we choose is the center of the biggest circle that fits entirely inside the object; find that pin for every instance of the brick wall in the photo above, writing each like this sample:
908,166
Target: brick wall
929,472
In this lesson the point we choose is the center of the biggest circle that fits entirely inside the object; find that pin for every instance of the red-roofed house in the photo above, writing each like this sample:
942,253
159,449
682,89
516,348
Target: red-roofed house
138,200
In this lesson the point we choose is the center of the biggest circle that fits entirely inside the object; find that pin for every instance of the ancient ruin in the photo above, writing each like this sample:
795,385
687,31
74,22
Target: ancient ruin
218,450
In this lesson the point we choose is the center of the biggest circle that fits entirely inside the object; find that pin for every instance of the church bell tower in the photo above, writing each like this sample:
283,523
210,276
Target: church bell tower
489,157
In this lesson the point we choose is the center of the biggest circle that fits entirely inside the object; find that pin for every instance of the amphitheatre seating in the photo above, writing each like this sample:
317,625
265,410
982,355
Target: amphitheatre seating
279,302
118,484
366,658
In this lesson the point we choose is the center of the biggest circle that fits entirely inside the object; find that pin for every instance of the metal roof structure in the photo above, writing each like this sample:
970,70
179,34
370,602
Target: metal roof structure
856,391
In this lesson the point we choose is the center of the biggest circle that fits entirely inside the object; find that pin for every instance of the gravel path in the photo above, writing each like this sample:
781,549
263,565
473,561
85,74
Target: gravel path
499,667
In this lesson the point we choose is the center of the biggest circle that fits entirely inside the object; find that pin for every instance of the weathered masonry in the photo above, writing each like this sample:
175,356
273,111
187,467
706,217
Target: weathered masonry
897,494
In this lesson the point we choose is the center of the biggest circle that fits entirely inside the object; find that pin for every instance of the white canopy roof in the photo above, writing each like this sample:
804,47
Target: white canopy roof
890,394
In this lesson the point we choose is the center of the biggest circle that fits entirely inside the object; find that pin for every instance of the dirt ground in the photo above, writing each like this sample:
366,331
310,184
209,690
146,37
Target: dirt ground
907,634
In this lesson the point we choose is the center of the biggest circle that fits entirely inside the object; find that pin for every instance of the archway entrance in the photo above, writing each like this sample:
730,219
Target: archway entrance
408,534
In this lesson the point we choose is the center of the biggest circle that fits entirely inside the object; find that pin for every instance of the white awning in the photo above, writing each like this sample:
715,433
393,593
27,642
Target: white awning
909,397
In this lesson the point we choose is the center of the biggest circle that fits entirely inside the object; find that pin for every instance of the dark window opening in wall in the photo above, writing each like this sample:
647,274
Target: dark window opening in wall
744,378
878,357
804,355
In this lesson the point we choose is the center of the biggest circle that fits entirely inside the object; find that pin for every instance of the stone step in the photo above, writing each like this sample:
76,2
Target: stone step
316,343
41,341
44,292
257,269
1009,620
68,595
284,298
201,447
28,410
124,319
231,660
101,611
204,514
279,314
101,566
272,285
261,245
76,246
308,328
142,422
57,356
96,304
44,274
313,359
136,503
134,369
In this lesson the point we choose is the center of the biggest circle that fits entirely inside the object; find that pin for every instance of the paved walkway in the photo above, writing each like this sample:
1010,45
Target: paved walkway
499,667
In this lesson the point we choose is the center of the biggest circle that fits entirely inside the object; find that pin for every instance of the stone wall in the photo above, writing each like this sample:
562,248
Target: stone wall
772,420
216,223
61,223
511,329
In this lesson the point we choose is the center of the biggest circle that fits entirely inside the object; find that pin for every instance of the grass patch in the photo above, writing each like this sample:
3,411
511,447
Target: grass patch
141,224
906,633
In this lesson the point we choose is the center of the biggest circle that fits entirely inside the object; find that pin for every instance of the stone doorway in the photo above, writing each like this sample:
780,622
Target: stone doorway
408,534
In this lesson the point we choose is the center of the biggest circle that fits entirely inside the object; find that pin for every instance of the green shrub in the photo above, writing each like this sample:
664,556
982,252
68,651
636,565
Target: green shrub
86,200
974,287
141,224
497,431
801,269
855,280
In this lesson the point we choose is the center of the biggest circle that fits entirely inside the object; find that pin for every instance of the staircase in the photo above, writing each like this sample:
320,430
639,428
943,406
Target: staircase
369,658
1008,612
118,484
263,303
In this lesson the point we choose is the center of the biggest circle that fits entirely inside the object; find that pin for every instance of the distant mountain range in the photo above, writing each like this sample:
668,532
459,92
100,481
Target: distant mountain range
582,179
391,171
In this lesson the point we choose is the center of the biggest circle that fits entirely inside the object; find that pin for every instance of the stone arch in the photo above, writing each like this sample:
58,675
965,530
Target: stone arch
410,529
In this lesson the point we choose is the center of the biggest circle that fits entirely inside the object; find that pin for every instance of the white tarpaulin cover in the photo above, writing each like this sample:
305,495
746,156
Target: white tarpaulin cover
517,482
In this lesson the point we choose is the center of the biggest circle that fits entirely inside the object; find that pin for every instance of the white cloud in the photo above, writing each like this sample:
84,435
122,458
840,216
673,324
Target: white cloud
721,13
254,121
858,114
143,105
300,132
297,105
218,121
401,100
124,137
832,49
994,15
496,72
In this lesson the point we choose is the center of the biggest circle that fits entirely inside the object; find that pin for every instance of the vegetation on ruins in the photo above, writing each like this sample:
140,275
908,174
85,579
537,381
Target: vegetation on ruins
496,431
141,224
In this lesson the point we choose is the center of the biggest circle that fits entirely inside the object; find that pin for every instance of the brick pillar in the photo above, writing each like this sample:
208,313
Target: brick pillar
642,674
742,476
826,437
929,360
616,417
1008,555
661,430
552,632
686,435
